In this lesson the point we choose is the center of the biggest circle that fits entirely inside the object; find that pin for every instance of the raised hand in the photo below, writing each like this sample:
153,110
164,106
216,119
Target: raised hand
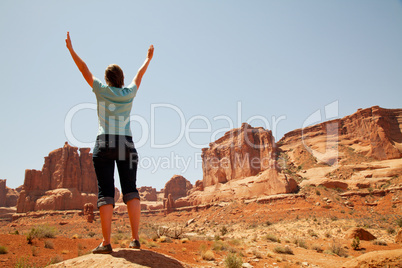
150,52
68,42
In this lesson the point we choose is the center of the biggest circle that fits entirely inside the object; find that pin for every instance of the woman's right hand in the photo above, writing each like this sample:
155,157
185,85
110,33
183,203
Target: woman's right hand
68,42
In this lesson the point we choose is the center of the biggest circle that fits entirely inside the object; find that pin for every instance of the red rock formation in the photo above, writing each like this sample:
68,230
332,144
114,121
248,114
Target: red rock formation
177,186
360,233
67,181
377,129
240,165
240,153
8,196
89,212
116,194
3,193
169,204
147,193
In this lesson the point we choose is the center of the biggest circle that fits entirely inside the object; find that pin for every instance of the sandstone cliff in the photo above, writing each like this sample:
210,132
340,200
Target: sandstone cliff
361,150
240,165
374,132
8,196
240,153
66,181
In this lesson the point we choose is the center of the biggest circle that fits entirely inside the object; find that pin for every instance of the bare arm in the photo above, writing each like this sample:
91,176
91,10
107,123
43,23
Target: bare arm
144,67
79,62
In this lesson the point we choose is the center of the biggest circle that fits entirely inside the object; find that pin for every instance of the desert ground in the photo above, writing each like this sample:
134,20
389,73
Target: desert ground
307,229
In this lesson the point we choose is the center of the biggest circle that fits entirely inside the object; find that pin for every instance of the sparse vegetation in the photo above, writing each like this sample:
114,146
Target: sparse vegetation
49,244
233,261
41,231
391,230
336,249
91,234
208,255
356,243
23,263
300,243
224,230
273,238
3,250
35,251
317,248
312,233
56,259
283,250
379,242
399,222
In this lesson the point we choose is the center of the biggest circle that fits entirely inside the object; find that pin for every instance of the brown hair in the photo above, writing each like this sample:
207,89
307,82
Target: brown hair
114,76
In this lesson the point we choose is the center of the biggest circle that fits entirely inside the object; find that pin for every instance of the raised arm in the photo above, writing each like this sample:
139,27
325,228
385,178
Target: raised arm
79,62
144,67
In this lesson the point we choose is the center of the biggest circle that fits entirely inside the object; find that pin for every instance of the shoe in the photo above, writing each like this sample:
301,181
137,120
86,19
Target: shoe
102,249
135,244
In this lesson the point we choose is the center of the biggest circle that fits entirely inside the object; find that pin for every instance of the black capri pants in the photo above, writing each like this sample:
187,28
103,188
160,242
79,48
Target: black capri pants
108,150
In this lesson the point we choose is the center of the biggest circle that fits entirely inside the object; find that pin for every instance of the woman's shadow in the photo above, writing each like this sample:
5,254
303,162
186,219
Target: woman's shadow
147,258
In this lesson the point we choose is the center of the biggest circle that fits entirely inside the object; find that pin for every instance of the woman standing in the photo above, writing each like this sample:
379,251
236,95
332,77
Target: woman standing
114,144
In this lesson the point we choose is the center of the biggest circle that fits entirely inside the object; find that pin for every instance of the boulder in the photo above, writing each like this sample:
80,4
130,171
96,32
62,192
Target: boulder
383,258
177,187
122,257
361,233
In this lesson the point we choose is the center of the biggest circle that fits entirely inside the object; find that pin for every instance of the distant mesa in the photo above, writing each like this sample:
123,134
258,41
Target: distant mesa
245,163
8,196
66,181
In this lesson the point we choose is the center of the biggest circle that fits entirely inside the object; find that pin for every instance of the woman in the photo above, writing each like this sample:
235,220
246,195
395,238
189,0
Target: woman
114,144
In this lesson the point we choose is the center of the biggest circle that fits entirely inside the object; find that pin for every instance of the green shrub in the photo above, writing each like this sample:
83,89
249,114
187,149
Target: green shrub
41,231
317,248
91,234
49,244
23,263
283,250
56,259
273,238
3,250
219,246
208,255
356,243
391,230
35,251
300,243
224,230
337,250
233,261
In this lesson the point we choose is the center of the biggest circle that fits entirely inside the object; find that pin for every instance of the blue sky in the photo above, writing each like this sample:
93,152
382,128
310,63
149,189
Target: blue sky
274,63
